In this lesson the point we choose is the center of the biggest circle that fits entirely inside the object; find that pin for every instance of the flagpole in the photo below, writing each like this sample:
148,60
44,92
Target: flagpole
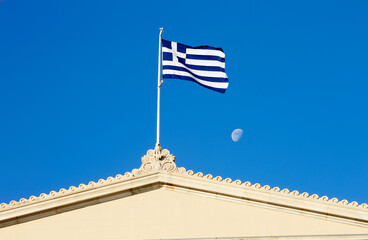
159,82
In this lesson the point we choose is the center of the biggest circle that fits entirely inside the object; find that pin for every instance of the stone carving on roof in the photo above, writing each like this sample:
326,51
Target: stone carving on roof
157,160
160,160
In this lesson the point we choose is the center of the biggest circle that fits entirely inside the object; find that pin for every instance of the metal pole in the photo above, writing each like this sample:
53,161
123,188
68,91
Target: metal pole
159,82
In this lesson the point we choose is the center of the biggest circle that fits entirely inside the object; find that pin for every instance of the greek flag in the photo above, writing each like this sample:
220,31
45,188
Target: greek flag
204,65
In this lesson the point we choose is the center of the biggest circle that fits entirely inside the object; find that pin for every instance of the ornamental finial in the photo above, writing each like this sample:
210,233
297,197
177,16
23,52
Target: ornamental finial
156,160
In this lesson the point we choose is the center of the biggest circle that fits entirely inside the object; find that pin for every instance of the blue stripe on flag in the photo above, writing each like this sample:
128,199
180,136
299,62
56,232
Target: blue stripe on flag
210,79
198,67
205,57
207,47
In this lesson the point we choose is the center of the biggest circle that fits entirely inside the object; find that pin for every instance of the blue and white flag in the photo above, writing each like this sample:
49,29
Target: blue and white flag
204,65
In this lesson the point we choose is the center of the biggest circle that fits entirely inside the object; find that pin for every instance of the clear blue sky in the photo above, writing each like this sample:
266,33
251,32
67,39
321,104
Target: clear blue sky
78,93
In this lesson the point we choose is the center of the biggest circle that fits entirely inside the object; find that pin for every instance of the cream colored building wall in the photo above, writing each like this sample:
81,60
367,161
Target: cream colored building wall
168,213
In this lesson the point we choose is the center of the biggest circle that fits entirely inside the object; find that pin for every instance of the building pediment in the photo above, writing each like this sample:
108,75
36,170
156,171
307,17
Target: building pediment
159,174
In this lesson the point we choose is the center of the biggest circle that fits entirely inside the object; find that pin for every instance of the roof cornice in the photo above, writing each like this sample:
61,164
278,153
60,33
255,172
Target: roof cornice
158,167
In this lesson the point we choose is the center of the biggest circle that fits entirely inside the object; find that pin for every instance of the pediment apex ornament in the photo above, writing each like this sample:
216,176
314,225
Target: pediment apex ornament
156,160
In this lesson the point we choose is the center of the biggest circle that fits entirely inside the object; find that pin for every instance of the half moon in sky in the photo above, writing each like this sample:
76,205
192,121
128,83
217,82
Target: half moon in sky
237,134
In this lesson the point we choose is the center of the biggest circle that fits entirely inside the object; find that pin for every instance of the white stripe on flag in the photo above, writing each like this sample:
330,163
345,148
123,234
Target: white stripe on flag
210,52
201,73
222,85
210,63
174,48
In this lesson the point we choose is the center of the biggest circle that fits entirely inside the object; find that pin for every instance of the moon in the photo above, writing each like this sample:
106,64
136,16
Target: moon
237,134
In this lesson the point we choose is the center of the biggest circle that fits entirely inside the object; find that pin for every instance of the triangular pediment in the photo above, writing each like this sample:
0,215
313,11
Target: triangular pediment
160,200
169,212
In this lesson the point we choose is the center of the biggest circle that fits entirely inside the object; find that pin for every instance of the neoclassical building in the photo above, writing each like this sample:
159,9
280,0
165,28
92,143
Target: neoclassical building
162,201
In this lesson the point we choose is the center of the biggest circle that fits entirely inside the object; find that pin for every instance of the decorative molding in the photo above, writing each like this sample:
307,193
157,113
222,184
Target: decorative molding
160,160
157,160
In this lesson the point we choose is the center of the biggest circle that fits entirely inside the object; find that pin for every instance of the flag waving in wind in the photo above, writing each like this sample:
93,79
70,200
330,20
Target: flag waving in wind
204,65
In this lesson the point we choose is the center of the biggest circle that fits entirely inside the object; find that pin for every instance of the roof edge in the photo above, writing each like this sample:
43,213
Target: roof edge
161,161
